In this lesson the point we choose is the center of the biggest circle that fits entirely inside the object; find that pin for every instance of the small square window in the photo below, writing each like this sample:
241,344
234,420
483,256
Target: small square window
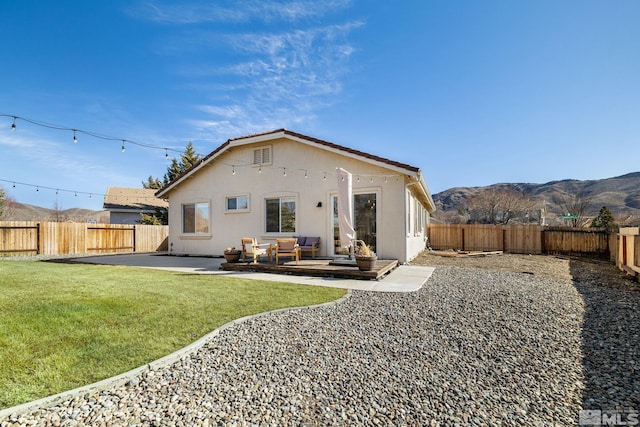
237,203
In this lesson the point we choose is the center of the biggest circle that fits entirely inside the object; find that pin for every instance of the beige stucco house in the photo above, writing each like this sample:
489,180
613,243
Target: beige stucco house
282,184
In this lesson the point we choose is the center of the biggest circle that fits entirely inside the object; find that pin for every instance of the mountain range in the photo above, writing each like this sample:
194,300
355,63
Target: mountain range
621,195
15,211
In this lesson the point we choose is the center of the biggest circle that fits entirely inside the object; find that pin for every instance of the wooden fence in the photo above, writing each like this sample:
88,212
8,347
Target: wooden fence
628,250
525,239
60,238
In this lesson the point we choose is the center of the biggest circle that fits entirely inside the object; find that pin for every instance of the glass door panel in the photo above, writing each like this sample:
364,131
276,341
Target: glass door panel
365,219
337,250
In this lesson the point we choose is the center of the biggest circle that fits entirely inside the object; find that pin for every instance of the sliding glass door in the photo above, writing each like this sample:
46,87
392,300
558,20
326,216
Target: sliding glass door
365,221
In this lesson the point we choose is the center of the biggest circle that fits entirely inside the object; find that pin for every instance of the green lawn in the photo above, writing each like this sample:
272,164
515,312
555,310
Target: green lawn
67,325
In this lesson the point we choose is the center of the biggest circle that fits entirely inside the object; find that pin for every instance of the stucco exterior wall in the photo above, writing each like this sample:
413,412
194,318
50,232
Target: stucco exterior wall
217,181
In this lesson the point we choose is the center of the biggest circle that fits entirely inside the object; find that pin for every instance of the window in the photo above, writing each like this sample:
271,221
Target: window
419,219
195,218
281,215
237,203
262,156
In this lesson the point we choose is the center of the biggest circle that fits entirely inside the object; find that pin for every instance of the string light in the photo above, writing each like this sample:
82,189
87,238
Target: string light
88,133
260,169
305,175
123,145
233,170
62,190
285,172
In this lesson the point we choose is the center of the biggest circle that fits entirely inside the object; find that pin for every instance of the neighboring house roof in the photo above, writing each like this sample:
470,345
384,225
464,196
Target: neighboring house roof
412,172
132,199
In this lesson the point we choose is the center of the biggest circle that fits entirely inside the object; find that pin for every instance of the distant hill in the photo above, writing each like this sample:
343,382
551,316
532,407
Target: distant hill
621,195
15,211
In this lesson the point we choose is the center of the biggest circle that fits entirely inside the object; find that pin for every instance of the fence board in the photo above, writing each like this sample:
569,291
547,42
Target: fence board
521,239
19,238
61,238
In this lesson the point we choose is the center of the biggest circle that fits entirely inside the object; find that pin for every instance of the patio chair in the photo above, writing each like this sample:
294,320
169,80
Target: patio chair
287,248
251,247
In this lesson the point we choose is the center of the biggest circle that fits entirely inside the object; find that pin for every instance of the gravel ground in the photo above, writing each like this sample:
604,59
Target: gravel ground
529,341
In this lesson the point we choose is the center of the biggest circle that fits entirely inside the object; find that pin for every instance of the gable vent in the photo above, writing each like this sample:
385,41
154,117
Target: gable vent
262,156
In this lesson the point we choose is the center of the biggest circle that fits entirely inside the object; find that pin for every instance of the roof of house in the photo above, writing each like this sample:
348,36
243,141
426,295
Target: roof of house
285,133
141,199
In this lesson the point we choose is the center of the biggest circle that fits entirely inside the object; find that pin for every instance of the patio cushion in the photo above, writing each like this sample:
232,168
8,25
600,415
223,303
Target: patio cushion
311,241
301,240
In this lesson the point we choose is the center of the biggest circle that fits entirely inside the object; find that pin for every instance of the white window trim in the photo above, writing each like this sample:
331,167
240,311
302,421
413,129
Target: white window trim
235,196
194,235
296,199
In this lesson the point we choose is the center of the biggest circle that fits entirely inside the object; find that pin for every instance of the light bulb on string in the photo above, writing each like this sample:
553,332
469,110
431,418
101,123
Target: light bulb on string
123,146
305,175
166,154
75,139
37,188
324,177
260,169
233,170
13,125
285,172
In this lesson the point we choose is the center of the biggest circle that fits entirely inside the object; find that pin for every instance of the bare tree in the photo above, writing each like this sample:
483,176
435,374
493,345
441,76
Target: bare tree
7,205
574,207
57,213
499,205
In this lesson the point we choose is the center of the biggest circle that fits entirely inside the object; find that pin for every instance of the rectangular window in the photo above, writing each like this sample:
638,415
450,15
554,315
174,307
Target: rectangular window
195,218
237,203
281,215
262,156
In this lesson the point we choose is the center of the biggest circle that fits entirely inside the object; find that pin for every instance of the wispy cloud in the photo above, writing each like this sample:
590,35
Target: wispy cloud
272,75
184,13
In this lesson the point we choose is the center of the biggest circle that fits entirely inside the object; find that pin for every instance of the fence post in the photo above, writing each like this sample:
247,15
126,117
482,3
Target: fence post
38,238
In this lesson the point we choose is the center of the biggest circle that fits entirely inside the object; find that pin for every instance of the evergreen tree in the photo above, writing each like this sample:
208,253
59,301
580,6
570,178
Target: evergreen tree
152,183
159,217
173,170
604,219
189,158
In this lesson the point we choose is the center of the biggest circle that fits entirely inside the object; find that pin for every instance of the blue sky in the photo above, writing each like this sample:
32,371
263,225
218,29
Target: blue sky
472,92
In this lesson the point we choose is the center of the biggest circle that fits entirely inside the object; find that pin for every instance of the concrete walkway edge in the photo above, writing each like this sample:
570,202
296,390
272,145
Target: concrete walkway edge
124,378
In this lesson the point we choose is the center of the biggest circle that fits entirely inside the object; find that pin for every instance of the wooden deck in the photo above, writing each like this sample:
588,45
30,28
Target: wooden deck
317,267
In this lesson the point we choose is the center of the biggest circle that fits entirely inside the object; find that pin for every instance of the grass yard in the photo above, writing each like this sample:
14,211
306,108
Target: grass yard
67,325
